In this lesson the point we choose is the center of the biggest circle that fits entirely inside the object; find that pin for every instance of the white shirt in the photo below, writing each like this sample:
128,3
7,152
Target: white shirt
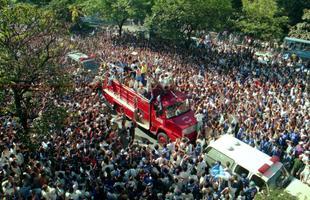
50,193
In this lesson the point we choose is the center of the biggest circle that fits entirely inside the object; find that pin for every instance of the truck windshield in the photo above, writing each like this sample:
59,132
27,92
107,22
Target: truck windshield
177,109
279,179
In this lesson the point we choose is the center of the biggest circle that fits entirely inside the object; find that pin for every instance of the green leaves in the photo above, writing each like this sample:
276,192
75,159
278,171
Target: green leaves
177,19
115,11
29,55
301,30
261,19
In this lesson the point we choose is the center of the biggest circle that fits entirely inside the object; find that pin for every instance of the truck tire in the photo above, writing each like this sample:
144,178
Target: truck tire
162,138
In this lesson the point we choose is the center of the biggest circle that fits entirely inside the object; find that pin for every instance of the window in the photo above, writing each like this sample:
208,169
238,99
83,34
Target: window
91,65
177,109
240,170
214,155
280,178
258,181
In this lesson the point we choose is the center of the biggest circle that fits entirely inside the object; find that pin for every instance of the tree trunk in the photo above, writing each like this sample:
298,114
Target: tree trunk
19,109
188,40
120,29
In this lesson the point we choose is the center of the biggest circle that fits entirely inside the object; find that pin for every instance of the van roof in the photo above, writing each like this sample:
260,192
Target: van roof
243,154
76,56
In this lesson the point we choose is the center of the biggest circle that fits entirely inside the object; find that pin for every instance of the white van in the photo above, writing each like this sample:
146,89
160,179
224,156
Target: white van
264,170
87,62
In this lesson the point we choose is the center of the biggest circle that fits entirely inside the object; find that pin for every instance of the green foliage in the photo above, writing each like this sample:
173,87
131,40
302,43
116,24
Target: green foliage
36,2
62,9
274,194
261,19
236,4
177,19
4,3
143,8
116,11
294,9
301,30
29,55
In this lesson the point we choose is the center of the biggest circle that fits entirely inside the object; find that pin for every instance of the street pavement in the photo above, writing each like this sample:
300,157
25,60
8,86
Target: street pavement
142,136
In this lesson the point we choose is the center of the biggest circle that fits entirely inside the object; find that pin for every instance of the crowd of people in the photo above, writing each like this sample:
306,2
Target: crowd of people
264,105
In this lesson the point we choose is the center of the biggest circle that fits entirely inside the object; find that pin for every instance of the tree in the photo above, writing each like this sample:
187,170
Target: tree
143,8
115,11
3,3
29,55
36,2
293,9
261,19
301,30
236,4
65,10
178,19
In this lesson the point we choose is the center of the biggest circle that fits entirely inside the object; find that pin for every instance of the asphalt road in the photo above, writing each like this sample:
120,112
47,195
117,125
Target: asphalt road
142,136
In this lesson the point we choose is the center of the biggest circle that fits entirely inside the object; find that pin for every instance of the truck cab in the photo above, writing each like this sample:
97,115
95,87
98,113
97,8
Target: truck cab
263,170
164,113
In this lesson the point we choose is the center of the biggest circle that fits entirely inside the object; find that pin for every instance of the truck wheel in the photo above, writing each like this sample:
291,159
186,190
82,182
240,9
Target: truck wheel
162,138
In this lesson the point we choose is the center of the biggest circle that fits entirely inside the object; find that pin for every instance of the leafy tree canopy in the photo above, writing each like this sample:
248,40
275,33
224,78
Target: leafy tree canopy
301,30
175,19
117,11
261,19
293,9
29,56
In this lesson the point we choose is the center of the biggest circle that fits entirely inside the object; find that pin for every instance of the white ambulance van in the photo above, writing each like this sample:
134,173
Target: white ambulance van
264,170
88,63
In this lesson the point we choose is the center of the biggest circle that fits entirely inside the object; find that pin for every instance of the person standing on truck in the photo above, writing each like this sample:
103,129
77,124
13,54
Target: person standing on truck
144,70
138,74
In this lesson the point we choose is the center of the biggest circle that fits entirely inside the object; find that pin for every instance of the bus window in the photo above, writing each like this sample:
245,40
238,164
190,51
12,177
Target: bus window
258,181
240,170
297,46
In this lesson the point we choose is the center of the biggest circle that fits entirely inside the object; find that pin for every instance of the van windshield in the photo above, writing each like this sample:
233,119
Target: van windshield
279,179
177,109
91,65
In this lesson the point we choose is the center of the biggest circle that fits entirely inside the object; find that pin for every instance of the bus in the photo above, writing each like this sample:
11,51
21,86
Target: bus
299,47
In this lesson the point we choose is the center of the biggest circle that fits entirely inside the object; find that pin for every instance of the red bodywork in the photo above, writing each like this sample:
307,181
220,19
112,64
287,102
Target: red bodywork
130,101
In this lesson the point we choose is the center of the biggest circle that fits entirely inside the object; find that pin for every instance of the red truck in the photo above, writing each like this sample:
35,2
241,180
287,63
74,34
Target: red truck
166,115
